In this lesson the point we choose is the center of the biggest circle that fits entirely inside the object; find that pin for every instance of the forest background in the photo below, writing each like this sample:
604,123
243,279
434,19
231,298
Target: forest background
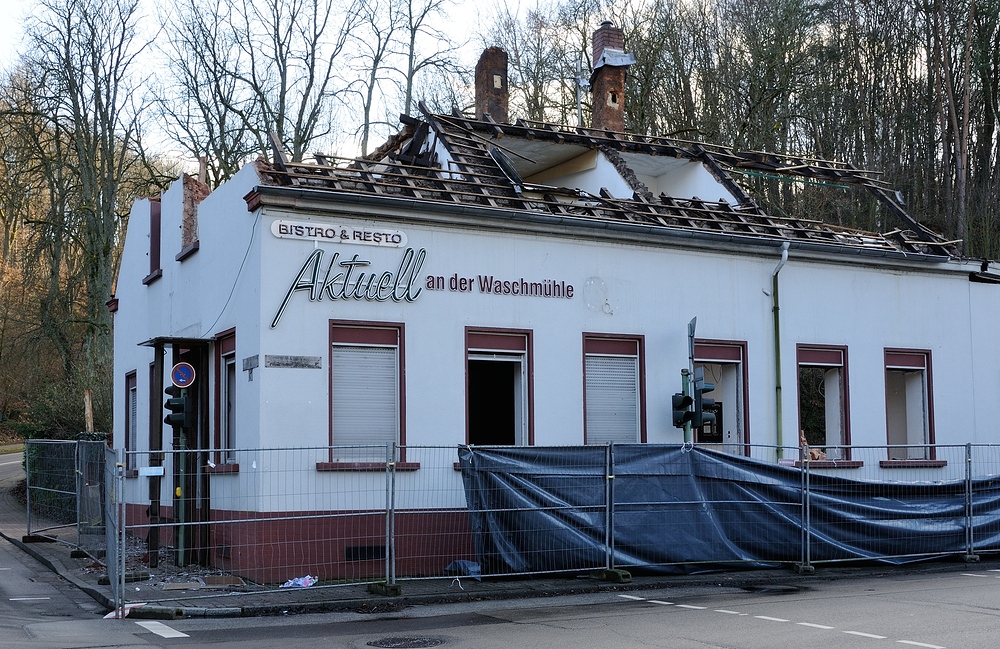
106,101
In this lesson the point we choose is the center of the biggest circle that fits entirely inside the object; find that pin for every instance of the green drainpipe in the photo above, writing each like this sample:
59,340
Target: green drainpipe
775,309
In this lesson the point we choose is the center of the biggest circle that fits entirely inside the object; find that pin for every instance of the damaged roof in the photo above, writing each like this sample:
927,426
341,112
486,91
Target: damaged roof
517,167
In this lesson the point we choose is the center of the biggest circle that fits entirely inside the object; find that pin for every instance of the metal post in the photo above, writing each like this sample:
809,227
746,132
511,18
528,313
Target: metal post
805,566
391,527
28,452
78,467
609,507
970,550
119,499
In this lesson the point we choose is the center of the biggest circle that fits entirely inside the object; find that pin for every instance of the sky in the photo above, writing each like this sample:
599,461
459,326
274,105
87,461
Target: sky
13,12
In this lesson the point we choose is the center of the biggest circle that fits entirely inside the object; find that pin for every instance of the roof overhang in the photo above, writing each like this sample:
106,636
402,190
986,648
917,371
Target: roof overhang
176,341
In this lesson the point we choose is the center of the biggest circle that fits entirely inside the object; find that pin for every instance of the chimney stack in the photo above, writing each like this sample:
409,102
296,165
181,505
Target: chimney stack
607,83
491,85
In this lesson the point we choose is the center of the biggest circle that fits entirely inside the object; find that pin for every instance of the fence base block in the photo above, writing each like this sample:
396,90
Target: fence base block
615,575
971,558
34,538
385,588
804,569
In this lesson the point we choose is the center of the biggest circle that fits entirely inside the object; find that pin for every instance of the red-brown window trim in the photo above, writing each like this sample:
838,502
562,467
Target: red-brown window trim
501,339
617,345
368,332
709,350
131,383
155,272
225,344
898,358
812,355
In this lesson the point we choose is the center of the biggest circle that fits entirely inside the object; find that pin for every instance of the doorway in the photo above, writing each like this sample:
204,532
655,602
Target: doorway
496,400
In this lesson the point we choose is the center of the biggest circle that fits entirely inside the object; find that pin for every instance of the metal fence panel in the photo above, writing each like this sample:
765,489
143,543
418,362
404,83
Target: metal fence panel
51,474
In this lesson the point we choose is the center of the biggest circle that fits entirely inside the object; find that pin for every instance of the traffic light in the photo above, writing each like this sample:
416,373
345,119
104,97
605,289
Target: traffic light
701,403
681,404
181,408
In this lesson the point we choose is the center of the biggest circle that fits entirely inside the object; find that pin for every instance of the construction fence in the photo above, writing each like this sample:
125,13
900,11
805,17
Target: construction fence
259,520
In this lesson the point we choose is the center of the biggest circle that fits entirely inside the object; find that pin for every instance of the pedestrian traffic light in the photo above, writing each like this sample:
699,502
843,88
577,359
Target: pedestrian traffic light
180,406
701,403
681,404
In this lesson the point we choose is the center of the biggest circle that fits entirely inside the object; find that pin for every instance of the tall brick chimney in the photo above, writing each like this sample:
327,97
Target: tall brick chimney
492,92
607,83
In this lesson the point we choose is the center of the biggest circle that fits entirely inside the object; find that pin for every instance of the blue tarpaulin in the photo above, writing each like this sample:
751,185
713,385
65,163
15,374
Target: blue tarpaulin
678,508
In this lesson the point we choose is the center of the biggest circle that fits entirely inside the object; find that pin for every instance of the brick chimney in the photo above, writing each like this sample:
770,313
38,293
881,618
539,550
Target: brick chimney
607,83
491,85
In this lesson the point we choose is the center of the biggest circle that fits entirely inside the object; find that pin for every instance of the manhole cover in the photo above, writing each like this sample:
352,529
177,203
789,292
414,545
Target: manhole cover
406,643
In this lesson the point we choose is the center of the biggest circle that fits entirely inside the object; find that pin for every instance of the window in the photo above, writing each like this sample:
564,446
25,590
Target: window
226,441
613,390
366,391
131,418
725,367
498,387
823,399
909,411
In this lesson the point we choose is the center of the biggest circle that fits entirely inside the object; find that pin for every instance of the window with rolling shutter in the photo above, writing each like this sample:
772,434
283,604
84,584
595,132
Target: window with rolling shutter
612,386
613,390
365,393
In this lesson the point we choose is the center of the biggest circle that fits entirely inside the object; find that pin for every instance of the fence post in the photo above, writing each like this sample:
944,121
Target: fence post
970,550
78,467
609,507
28,452
805,565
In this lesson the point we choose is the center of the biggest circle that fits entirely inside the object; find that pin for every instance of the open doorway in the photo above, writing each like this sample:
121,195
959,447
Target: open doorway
497,392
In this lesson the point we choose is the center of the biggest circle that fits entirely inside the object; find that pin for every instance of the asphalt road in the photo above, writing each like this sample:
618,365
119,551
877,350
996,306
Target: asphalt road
934,610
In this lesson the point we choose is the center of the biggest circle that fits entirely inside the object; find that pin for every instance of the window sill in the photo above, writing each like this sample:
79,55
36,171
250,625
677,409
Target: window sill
912,464
221,468
152,277
188,250
832,464
365,466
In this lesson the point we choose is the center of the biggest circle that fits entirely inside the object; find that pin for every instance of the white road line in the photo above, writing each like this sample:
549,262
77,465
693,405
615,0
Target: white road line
656,601
27,599
9,463
638,599
866,635
919,644
815,626
161,629
722,610
969,574
696,608
771,619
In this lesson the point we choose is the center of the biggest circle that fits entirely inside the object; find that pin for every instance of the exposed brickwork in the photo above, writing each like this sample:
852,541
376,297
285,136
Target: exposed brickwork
492,92
194,193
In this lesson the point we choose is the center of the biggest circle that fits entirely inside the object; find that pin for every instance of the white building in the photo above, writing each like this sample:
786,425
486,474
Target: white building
478,282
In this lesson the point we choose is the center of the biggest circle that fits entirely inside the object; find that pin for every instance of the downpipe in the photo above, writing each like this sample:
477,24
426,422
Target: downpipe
776,319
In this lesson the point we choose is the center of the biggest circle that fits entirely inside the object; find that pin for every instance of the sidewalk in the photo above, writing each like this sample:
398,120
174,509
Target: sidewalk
153,597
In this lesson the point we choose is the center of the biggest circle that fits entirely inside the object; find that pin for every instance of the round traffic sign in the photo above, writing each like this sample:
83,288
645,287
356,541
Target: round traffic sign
182,375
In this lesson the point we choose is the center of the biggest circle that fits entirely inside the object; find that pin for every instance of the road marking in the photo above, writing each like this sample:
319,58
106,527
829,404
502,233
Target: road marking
639,599
772,619
696,608
919,644
27,599
722,610
8,463
162,630
969,574
815,626
656,601
866,635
